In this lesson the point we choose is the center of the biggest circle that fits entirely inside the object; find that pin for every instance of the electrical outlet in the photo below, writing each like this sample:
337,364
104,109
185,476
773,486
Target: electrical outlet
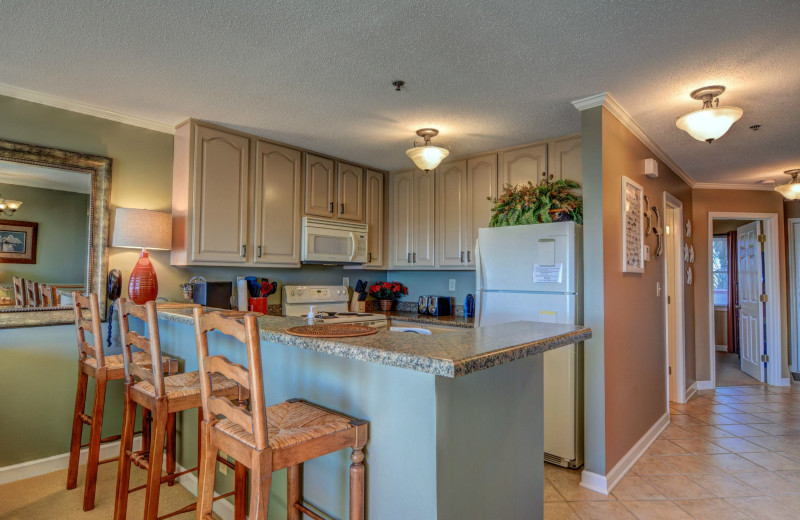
452,285
346,281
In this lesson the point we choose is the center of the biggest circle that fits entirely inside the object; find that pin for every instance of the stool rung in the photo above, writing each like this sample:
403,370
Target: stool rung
139,458
225,461
193,506
85,419
306,511
173,476
106,461
137,488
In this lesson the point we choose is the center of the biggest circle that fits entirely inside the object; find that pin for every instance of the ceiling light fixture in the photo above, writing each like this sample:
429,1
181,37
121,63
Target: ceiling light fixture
712,121
9,207
792,190
427,157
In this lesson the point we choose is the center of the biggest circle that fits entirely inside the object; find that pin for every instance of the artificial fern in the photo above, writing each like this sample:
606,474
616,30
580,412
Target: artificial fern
537,203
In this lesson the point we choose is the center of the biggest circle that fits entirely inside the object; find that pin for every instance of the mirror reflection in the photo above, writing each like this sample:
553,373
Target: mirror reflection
44,235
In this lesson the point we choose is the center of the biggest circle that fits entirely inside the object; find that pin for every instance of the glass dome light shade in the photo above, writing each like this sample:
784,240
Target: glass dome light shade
427,157
708,124
790,191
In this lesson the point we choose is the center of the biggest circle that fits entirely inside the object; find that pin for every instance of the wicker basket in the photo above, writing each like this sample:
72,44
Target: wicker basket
386,305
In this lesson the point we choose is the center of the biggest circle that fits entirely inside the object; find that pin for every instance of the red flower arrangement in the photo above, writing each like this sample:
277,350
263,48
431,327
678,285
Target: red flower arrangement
388,290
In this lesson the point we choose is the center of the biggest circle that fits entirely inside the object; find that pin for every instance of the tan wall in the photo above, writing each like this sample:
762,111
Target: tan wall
706,201
721,327
635,347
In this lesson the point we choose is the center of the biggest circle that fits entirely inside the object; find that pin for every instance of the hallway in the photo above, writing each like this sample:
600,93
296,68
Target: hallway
729,373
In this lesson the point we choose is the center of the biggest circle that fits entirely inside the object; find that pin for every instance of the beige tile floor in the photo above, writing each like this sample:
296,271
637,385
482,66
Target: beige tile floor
728,454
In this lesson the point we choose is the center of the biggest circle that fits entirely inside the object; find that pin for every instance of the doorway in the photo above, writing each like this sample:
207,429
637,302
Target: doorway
744,317
673,294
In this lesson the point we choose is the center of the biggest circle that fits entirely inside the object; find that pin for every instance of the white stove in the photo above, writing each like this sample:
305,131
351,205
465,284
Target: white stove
329,303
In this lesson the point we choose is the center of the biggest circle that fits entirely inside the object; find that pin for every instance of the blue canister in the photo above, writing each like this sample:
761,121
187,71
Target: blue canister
469,306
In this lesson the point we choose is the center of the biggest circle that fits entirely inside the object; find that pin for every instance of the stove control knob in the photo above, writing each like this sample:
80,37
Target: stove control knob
299,293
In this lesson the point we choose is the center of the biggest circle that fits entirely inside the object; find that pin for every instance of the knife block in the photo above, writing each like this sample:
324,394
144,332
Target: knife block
357,306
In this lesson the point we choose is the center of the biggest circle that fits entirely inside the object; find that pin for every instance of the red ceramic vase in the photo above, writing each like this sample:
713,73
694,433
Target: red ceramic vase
143,284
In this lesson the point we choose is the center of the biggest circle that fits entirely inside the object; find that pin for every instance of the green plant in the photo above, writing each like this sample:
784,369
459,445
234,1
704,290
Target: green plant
537,203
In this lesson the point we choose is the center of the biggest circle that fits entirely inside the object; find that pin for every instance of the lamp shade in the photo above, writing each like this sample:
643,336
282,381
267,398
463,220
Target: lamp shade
427,157
708,124
790,191
142,228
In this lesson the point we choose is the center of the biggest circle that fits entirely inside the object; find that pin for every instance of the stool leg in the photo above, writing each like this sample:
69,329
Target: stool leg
77,430
94,440
357,484
240,491
124,467
260,481
171,442
294,494
153,488
206,473
147,425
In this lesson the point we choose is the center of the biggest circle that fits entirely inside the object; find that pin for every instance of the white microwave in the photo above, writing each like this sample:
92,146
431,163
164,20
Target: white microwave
333,242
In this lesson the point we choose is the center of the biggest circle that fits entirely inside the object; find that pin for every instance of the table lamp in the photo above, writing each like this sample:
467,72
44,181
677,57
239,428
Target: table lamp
145,229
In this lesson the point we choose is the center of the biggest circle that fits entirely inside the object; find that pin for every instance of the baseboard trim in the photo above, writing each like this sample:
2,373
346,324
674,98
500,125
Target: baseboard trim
605,484
721,348
704,385
223,508
34,468
786,381
691,391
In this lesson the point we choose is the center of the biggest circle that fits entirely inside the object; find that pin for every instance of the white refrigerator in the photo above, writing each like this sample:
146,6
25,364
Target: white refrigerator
535,273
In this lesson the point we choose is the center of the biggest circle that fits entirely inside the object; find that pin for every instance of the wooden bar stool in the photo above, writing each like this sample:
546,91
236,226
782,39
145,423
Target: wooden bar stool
93,363
146,386
267,439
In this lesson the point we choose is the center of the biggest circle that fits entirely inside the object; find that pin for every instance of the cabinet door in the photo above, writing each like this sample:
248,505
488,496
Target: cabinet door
423,250
402,198
277,205
351,193
481,189
319,186
219,213
451,214
523,165
566,160
375,219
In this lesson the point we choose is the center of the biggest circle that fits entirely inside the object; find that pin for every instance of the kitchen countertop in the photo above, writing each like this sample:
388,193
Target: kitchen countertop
451,354
446,321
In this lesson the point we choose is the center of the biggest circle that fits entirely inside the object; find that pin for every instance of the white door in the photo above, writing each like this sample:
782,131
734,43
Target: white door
751,319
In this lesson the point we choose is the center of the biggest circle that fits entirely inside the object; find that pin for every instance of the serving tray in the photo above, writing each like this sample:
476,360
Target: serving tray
332,330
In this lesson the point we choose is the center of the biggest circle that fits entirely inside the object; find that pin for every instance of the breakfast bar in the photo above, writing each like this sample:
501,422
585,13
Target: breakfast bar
455,418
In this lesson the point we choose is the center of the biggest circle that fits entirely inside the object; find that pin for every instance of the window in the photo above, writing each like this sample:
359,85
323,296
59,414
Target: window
719,263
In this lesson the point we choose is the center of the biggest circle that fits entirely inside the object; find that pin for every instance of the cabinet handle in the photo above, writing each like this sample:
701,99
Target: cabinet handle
331,207
342,211
369,258
461,257
415,258
244,250
259,251
469,256
409,258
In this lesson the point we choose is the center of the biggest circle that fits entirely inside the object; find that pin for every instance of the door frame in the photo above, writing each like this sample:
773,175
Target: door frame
680,322
793,300
769,222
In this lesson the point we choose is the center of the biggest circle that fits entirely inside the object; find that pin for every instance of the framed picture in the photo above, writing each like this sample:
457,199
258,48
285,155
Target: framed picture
18,242
632,227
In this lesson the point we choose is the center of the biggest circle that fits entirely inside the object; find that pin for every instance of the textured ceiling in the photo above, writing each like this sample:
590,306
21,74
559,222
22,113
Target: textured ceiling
486,74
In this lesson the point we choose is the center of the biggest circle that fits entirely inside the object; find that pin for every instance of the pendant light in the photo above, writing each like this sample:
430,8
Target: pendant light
792,190
427,157
712,121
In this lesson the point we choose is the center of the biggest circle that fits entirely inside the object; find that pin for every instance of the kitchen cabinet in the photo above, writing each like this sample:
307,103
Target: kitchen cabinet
566,159
481,191
320,182
350,181
375,219
451,214
523,165
412,220
210,195
278,176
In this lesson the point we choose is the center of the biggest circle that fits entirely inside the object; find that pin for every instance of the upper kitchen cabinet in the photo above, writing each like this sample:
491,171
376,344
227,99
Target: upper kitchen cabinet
451,214
350,180
278,176
566,160
320,185
481,190
211,172
375,220
412,220
523,165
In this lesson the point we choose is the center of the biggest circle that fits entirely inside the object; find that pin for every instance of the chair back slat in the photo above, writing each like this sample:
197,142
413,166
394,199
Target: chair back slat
47,295
151,371
92,324
246,331
32,293
19,292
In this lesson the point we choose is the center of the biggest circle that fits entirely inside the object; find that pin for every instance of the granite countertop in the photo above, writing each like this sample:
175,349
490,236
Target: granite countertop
455,353
446,321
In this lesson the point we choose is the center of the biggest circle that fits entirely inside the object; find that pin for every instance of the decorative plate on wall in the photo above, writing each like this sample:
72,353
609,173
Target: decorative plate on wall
689,275
688,228
691,254
685,253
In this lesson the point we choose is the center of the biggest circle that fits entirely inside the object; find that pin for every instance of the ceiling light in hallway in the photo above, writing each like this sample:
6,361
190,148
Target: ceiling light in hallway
792,190
712,121
427,157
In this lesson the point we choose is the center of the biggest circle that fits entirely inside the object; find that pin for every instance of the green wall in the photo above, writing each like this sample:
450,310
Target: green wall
63,220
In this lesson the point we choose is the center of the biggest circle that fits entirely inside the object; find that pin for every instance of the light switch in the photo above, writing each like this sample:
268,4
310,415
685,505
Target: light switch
658,289
452,285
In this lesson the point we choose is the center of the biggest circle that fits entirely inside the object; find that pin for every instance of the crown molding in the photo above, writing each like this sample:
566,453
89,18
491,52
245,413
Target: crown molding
83,108
605,99
731,186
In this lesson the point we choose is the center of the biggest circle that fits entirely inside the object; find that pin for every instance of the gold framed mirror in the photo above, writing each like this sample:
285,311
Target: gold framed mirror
46,264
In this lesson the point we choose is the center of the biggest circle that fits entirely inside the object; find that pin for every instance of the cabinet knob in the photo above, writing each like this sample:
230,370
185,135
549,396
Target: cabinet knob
342,209
369,258
331,207
259,251
461,257
244,250
409,258
469,256
415,258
